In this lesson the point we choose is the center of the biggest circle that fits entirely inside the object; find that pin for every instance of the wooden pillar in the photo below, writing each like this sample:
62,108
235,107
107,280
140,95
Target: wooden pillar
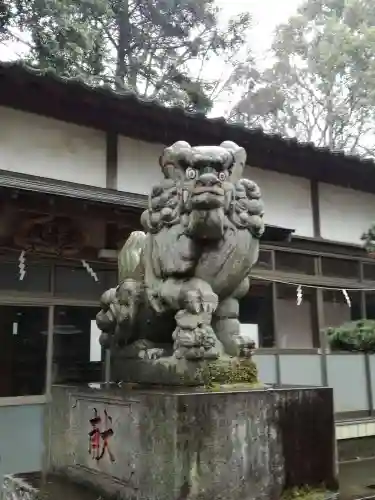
320,324
277,340
111,160
322,337
314,193
49,364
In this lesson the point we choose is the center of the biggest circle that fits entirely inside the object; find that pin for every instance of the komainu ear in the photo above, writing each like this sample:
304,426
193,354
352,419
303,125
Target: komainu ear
173,157
239,155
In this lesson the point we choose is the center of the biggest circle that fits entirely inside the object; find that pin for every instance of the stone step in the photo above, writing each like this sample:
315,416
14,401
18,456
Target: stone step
30,486
357,480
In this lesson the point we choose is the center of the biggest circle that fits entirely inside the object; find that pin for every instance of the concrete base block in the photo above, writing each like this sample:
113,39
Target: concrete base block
190,444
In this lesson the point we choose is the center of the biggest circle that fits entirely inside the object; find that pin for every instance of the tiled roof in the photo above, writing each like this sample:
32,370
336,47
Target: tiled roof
131,96
129,114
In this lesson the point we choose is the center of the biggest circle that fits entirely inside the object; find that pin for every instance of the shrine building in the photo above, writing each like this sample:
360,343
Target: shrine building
76,166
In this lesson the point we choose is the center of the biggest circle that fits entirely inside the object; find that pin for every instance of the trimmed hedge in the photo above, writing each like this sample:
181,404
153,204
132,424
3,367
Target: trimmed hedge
353,336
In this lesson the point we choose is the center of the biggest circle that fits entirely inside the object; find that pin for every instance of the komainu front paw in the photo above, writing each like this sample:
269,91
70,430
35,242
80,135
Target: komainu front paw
198,302
194,338
202,336
197,297
145,350
119,307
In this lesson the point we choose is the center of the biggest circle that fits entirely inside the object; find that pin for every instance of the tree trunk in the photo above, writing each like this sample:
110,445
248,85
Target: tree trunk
124,39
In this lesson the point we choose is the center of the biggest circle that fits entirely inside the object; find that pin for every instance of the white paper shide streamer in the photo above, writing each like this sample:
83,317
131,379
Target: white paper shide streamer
90,270
347,298
22,265
299,295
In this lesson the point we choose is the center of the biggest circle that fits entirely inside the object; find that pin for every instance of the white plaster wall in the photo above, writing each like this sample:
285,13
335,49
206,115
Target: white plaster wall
345,214
294,326
138,165
45,147
287,200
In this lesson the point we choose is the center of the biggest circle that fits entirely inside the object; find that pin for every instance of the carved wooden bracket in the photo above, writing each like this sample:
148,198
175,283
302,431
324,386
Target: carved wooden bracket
55,235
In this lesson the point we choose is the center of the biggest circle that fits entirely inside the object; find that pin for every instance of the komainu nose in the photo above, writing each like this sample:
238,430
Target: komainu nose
208,179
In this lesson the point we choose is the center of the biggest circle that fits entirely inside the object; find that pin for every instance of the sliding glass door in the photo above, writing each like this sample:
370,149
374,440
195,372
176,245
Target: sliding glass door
77,355
23,355
23,350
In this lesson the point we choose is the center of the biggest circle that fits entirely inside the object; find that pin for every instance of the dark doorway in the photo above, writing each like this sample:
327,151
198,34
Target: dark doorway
23,350
257,309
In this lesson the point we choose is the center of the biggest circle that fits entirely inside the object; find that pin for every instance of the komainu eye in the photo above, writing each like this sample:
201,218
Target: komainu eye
191,173
222,176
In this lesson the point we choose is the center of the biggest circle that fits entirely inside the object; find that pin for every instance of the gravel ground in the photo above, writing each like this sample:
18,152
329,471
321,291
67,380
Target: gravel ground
357,480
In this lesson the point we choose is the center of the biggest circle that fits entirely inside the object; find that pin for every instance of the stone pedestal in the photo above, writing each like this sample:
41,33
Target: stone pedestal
189,444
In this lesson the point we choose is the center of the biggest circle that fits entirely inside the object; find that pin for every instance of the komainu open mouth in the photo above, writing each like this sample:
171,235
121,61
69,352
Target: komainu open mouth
214,190
207,200
207,197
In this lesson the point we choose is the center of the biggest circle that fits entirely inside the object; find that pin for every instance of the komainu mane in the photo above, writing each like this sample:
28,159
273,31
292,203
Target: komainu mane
181,279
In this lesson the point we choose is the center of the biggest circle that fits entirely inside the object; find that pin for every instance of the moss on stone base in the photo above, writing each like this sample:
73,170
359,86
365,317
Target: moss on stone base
306,493
233,372
224,373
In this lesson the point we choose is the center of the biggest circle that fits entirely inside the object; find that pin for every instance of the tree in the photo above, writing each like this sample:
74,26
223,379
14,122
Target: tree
320,85
145,45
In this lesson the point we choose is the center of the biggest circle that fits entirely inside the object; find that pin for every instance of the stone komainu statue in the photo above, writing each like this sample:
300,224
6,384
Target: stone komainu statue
181,280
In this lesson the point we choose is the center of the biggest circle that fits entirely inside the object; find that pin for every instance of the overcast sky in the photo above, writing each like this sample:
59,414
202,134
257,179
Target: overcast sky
267,14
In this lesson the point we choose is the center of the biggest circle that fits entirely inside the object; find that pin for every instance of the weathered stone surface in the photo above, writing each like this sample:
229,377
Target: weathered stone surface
180,281
189,444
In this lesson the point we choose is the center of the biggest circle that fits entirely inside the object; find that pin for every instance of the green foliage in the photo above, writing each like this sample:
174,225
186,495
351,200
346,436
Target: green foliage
320,85
369,240
305,493
145,46
353,336
241,372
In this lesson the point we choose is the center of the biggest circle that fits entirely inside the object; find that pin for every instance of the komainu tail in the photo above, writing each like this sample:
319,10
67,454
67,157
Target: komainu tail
129,258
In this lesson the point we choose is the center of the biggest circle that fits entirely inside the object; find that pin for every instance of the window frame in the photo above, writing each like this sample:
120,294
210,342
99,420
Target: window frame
49,300
318,279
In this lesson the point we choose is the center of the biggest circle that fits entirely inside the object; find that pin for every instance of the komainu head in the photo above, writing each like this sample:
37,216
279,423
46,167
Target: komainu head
203,188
